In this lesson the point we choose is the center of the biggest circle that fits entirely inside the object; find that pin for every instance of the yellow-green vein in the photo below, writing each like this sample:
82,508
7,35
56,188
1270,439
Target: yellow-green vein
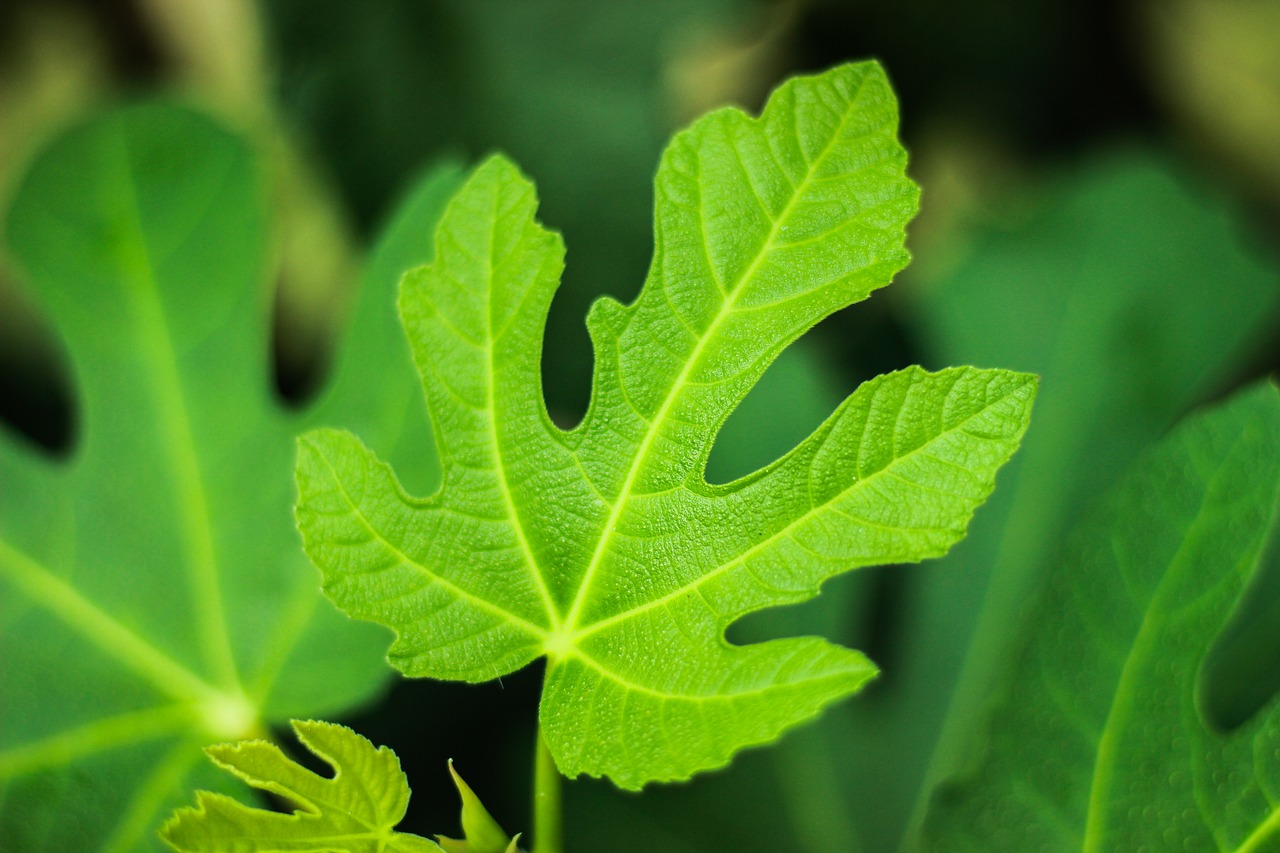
480,603
627,684
783,532
725,310
139,815
113,639
178,441
553,615
103,734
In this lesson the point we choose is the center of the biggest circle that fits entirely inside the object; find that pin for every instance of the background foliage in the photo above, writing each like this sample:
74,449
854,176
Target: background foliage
1109,224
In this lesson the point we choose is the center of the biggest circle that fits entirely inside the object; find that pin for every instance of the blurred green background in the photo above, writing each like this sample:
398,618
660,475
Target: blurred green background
1101,205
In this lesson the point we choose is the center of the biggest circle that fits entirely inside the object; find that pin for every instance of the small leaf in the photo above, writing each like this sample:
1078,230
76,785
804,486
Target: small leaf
355,811
480,831
1101,742
604,548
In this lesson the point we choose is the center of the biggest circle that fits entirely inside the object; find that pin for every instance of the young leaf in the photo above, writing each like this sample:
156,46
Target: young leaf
152,595
603,548
1101,742
480,832
355,811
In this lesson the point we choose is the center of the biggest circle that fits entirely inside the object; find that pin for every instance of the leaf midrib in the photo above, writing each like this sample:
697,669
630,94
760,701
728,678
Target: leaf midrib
92,623
508,617
176,436
725,310
711,696
499,461
1139,652
740,559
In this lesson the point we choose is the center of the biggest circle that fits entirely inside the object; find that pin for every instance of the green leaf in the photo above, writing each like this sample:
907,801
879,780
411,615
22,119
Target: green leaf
354,812
1101,742
587,115
1126,338
603,548
480,832
153,598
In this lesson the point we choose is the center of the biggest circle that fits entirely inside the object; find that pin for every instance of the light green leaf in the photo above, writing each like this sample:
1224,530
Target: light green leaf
1101,742
480,832
604,548
153,598
354,812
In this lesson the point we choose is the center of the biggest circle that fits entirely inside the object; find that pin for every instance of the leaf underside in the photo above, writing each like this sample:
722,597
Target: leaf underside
604,548
1101,742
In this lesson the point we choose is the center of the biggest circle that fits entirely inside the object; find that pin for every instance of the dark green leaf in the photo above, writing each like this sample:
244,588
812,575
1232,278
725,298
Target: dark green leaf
153,597
1101,742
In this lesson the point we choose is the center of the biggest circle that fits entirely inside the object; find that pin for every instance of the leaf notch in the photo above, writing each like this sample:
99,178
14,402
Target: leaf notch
604,548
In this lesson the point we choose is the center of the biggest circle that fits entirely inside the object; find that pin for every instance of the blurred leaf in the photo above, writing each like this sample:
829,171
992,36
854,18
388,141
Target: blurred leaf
1133,297
1100,742
153,597
354,812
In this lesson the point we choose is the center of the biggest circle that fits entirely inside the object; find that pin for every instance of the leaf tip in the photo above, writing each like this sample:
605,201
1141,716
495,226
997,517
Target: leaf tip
481,831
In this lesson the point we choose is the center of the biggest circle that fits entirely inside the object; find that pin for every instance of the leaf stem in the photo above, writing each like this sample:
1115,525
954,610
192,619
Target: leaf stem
546,801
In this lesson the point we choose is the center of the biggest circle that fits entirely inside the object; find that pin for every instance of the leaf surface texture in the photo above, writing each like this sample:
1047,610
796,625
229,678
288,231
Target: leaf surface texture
603,548
354,812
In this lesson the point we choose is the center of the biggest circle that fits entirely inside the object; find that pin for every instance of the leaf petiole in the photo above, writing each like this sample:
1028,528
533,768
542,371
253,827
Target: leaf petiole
546,801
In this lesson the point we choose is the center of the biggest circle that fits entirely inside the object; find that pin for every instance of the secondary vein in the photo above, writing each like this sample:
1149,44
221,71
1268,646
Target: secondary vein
178,442
113,639
726,309
100,735
507,616
783,532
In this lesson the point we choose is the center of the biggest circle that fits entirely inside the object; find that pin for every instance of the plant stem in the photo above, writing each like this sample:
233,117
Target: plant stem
546,801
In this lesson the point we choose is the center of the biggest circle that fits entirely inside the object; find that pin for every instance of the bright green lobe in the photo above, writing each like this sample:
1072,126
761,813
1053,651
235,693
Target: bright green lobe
1104,746
354,812
604,548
